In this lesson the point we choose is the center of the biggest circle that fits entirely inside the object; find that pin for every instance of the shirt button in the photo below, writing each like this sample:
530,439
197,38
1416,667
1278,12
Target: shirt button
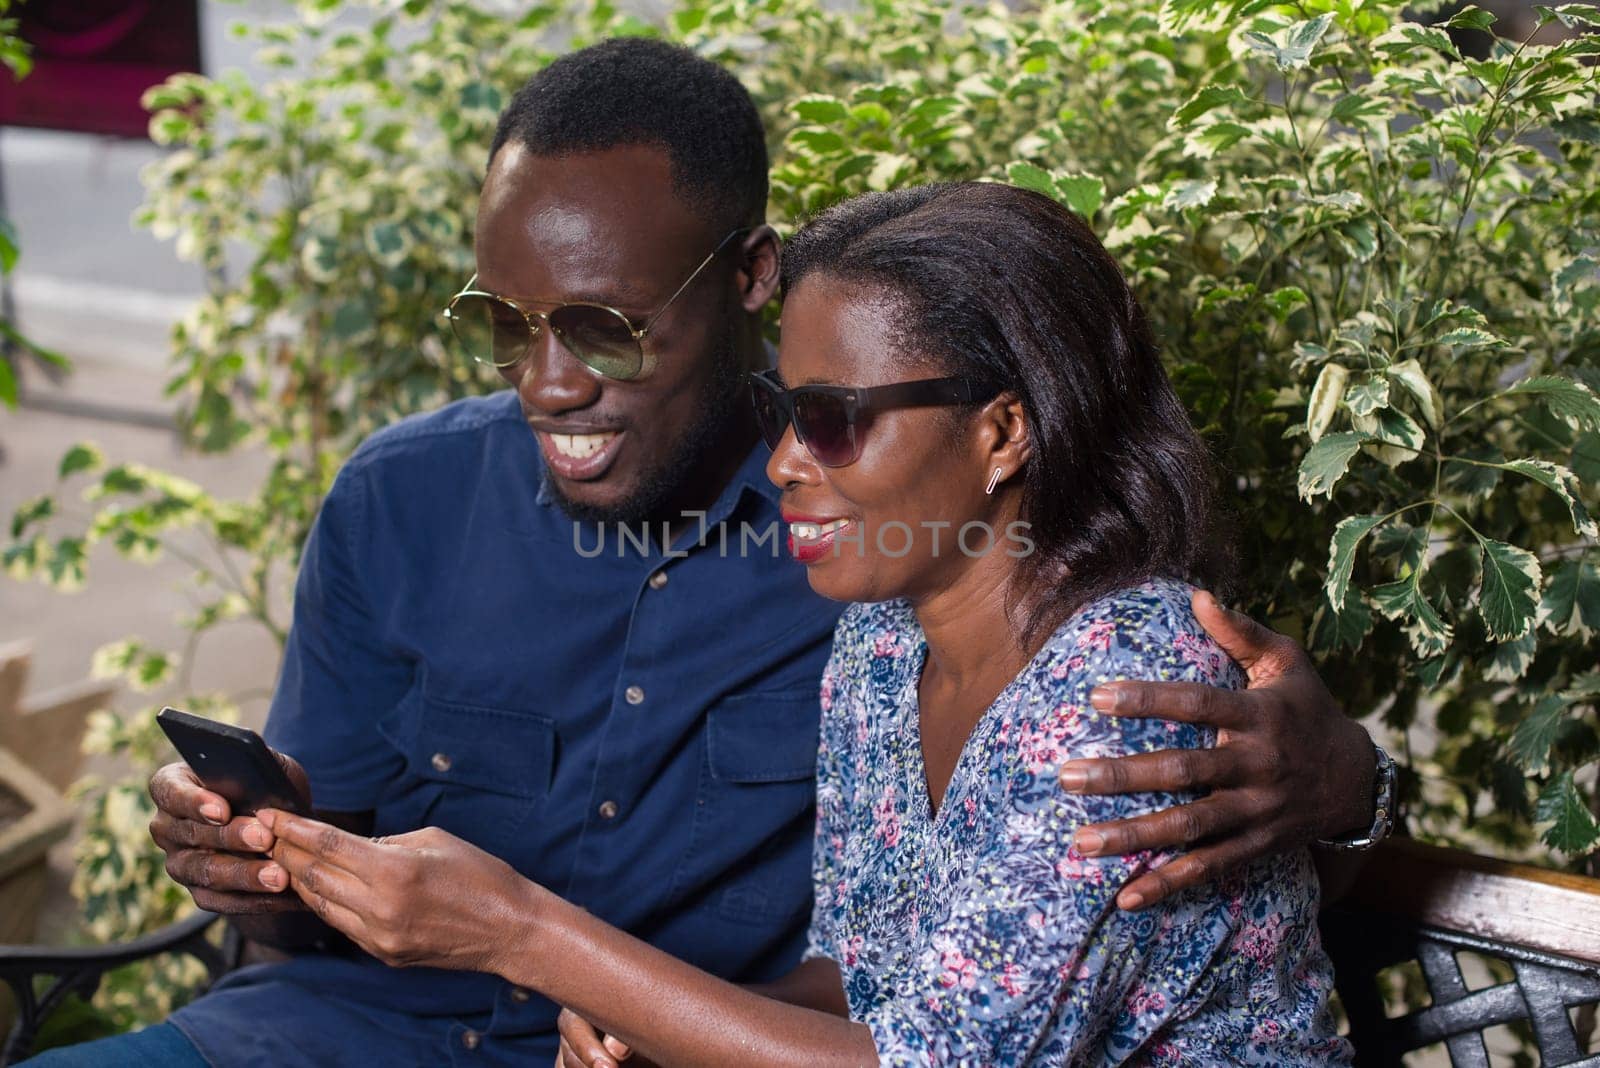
608,810
521,994
440,762
470,1039
634,695
658,580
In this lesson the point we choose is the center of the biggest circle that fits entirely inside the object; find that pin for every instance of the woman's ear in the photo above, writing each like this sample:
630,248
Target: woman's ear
758,268
1004,436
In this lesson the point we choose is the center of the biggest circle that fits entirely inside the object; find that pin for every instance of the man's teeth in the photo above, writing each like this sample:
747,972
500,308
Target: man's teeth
813,531
580,446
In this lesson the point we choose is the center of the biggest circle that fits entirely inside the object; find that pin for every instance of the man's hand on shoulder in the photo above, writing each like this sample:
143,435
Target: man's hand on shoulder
1288,767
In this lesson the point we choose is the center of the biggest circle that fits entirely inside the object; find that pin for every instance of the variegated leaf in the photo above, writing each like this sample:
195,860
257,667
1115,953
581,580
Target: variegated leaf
1509,595
1325,398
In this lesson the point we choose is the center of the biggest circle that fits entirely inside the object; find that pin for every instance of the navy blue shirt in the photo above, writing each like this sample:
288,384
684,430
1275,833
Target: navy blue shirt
631,727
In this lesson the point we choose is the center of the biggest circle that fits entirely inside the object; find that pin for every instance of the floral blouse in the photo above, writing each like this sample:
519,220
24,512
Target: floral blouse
978,935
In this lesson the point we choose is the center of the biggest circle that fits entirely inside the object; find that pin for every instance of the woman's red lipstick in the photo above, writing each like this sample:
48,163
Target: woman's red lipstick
818,543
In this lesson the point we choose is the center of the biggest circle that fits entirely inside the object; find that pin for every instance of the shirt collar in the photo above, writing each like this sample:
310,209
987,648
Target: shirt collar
750,478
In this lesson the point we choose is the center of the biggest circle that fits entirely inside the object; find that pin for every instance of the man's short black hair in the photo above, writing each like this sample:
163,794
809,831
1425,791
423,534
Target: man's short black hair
637,91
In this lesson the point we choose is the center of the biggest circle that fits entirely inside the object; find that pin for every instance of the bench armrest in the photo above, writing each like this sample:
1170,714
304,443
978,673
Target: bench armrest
79,969
1422,903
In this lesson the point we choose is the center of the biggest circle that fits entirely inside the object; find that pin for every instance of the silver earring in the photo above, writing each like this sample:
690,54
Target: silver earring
994,480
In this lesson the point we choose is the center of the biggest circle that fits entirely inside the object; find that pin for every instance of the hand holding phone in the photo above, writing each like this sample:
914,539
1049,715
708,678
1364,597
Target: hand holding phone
204,820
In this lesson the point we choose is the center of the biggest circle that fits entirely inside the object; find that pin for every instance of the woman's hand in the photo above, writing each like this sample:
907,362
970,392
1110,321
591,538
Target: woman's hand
1288,766
583,1046
423,898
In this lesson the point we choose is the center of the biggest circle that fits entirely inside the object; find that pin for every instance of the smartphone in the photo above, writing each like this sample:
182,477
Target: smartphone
231,761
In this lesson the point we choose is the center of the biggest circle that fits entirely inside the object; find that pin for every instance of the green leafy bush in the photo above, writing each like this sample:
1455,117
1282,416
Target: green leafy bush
1369,246
120,879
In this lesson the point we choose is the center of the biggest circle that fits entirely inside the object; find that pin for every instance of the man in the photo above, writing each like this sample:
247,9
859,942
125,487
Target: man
634,728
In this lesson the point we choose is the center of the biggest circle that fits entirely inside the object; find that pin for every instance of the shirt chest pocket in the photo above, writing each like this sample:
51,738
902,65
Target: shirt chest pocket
479,773
764,738
755,811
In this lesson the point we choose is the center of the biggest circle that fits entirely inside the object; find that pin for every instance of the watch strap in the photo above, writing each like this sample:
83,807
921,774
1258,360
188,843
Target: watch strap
1383,809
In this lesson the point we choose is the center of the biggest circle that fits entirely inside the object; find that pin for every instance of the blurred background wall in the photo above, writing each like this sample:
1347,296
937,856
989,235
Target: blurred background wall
105,294
92,287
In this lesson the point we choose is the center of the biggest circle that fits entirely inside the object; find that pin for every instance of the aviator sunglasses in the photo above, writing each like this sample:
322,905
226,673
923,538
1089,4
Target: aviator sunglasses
830,420
498,331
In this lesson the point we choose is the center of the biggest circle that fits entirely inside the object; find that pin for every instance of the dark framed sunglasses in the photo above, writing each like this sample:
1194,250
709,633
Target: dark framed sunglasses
500,332
830,421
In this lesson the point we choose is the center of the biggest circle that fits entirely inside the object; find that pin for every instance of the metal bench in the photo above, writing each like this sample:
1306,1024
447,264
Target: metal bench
1420,903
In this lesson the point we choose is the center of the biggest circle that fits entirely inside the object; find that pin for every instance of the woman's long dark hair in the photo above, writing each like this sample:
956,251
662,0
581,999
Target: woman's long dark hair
1010,288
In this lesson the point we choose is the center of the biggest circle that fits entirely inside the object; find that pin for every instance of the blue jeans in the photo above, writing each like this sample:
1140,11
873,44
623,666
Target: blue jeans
158,1046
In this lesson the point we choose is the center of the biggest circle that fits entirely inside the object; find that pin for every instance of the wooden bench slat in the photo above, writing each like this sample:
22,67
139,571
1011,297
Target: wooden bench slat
1546,910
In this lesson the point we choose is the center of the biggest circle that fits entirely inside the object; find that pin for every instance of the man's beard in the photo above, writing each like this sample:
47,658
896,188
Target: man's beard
661,485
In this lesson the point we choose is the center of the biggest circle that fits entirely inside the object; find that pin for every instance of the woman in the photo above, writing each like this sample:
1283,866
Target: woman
976,440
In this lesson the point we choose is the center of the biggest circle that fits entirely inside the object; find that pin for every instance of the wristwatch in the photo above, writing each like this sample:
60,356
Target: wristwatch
1383,809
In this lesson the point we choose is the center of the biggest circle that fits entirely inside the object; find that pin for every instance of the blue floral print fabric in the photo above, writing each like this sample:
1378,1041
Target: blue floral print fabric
978,935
